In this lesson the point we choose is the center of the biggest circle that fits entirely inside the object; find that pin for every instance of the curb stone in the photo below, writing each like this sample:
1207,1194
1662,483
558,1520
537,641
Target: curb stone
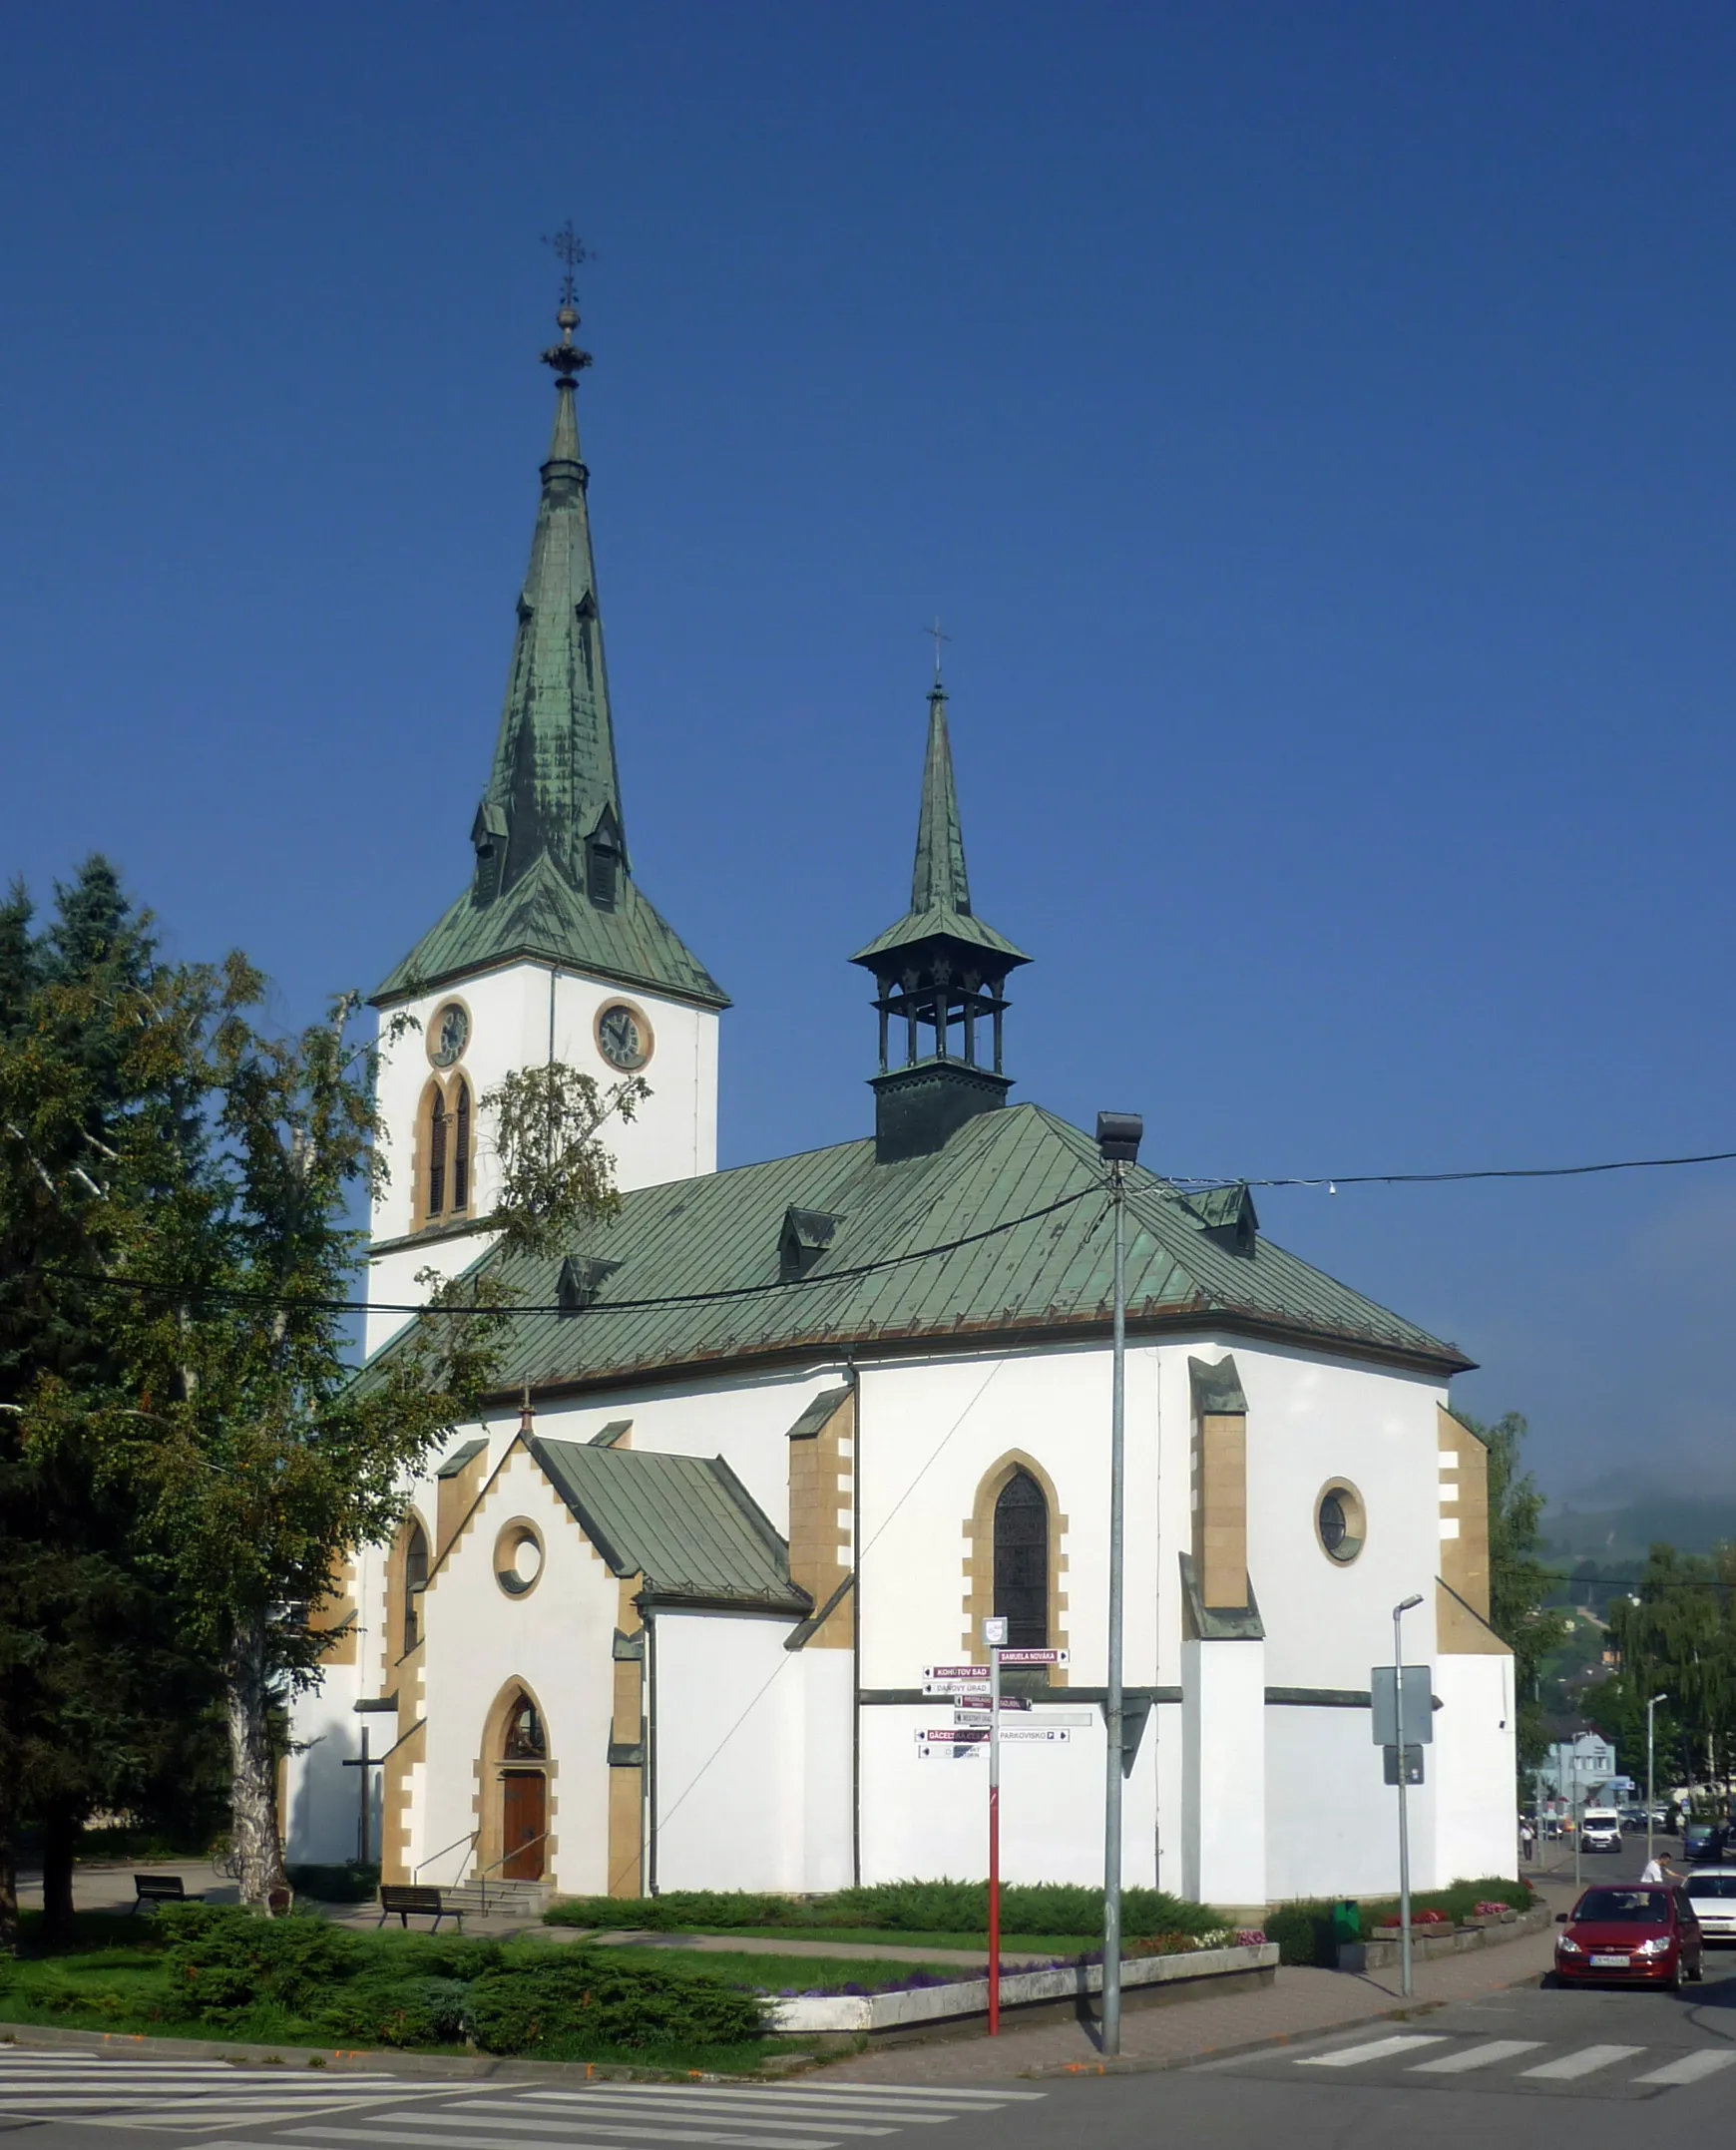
397,2061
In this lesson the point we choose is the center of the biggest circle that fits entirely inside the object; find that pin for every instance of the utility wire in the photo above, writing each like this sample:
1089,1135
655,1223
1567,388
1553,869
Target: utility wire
233,1296
1430,1179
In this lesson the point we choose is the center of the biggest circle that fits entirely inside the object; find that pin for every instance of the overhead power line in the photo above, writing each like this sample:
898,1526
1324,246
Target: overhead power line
1332,1181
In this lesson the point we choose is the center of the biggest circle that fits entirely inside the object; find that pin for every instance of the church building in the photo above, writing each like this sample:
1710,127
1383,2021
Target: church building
780,1438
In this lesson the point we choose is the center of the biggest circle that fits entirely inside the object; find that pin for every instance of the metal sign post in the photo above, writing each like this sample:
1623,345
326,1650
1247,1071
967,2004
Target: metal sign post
1399,1612
995,1636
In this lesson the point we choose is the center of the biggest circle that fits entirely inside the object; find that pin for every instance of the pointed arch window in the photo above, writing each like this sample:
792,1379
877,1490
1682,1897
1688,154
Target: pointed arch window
437,1139
415,1583
461,1146
1022,1561
524,1740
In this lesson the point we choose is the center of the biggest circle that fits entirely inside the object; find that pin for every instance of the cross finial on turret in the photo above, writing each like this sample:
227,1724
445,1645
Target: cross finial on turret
939,637
566,357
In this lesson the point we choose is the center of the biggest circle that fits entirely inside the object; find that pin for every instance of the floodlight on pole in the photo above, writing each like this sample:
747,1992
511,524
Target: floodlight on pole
1118,1138
1409,1605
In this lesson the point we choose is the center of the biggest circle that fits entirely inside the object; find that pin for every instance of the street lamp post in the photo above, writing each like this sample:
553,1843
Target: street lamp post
1652,1768
1399,1611
1118,1137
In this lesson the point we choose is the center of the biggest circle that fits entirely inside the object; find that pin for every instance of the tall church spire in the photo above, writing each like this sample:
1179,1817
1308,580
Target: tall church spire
552,881
941,973
554,781
940,882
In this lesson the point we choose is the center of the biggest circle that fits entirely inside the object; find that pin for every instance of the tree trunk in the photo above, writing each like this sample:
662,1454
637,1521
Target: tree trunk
252,1767
60,1839
8,1892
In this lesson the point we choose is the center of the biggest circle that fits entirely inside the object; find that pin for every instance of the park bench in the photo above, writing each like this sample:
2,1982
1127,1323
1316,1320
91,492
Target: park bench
417,1903
160,1889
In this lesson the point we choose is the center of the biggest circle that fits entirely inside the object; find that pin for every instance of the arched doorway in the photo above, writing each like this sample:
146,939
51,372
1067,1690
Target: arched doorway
524,1792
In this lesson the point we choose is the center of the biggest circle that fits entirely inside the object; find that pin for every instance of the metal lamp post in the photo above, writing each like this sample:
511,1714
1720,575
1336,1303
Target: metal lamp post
1119,1138
1408,1606
1652,1768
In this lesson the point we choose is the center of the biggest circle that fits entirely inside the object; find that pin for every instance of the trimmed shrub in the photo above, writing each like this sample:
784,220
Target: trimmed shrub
896,1908
380,2009
224,1963
584,1998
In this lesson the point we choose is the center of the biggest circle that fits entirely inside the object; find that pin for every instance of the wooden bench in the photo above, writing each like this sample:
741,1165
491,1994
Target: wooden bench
416,1903
160,1889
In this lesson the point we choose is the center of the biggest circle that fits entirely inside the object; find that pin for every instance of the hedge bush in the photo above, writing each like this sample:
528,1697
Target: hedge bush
896,1908
226,1965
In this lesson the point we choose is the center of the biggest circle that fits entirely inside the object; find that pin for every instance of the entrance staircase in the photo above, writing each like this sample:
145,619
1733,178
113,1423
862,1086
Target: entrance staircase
496,1898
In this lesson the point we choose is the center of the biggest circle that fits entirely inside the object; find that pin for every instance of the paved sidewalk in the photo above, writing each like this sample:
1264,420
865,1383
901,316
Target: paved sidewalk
1300,2003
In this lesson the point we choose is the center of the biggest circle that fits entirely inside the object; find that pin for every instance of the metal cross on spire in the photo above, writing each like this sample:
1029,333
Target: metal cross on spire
939,637
569,248
566,356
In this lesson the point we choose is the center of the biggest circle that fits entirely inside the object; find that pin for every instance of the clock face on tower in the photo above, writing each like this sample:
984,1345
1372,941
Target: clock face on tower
624,1037
449,1034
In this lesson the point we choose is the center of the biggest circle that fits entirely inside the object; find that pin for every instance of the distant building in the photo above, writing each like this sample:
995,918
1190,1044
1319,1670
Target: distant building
1574,1769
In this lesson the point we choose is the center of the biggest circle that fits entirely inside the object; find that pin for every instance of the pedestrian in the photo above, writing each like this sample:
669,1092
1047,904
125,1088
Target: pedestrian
1659,1872
1527,1839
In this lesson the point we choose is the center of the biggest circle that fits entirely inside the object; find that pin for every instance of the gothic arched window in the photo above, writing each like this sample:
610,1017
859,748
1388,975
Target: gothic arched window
437,1133
415,1583
524,1740
1022,1561
461,1146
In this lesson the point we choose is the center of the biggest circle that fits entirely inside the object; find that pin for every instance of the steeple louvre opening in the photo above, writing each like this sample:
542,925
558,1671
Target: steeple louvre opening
941,973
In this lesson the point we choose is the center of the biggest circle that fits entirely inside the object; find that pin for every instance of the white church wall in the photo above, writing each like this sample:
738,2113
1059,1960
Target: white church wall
1476,1801
1331,1820
929,1819
828,1767
727,1732
320,1822
557,1639
1312,1420
520,1015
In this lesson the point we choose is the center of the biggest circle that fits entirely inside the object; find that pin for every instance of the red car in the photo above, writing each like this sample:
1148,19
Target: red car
1616,1935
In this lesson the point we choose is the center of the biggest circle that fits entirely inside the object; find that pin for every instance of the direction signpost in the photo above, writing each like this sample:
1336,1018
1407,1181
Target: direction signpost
978,1726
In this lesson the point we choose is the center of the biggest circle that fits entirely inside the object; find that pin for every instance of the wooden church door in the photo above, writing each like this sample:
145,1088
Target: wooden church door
524,1822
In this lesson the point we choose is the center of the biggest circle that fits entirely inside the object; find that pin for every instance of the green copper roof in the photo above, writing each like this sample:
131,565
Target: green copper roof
546,919
1046,1278
553,800
940,887
687,1524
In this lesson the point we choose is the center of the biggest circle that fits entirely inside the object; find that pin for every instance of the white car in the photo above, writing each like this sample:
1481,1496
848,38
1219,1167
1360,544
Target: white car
1712,1893
1600,1830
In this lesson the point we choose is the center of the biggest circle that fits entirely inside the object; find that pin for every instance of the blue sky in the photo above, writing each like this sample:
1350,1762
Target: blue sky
1313,426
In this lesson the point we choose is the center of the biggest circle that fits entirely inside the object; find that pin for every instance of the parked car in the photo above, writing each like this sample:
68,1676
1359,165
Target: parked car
1633,1821
1703,1843
1600,1830
1713,1896
1613,1936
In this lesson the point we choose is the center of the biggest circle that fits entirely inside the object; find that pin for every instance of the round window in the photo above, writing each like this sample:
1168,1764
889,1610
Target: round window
518,1559
1340,1522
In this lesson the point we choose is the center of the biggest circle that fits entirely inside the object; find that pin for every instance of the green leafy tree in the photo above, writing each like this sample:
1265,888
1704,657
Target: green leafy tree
89,1643
1519,1586
1676,1632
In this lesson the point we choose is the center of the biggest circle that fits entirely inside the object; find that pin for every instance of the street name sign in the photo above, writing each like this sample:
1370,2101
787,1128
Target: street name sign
1034,1657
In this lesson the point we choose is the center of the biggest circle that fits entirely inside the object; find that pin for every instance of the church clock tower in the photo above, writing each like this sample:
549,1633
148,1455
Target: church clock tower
552,953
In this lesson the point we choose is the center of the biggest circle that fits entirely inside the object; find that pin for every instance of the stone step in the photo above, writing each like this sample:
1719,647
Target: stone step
507,1899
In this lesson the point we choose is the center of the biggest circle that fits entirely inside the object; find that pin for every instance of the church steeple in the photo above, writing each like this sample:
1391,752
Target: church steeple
553,784
552,880
941,973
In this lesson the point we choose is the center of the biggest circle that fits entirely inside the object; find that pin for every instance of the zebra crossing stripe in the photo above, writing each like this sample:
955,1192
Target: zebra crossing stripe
1693,2067
754,2114
1356,2056
1477,2056
1586,2061
755,2104
604,2132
